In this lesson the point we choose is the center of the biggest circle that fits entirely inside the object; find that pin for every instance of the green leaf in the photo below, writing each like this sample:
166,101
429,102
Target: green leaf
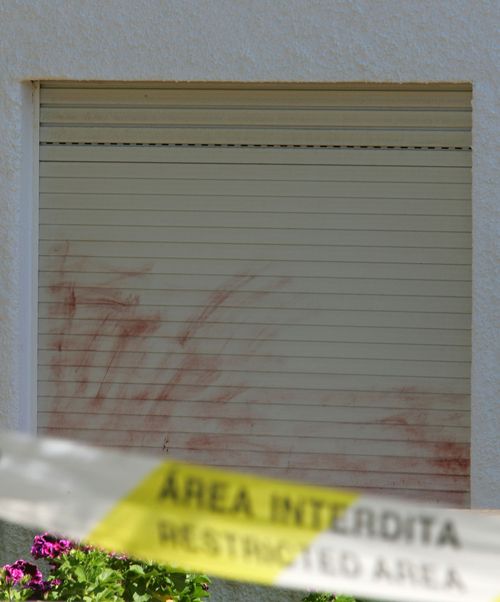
136,568
80,574
141,598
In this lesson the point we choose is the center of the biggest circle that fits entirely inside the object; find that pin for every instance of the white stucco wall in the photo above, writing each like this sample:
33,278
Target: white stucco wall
252,40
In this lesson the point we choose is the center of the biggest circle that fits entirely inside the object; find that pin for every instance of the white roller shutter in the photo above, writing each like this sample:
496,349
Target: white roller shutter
274,279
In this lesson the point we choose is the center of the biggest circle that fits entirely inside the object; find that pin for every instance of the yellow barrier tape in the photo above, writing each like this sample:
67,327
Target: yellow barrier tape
250,528
234,525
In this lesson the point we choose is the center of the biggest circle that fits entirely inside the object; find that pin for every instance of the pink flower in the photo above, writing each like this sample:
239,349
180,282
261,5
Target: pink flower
48,546
13,574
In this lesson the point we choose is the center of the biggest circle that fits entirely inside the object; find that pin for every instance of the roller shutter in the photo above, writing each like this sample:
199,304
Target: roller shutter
271,279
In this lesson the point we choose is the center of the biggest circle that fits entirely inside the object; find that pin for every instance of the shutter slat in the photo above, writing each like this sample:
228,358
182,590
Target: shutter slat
365,262
305,206
456,99
278,117
298,294
262,413
266,156
253,363
256,135
230,442
258,401
293,332
258,188
262,348
352,382
290,315
272,427
272,244
206,219
317,173
361,285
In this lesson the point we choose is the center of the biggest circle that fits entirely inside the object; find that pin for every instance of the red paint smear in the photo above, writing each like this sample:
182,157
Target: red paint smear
405,390
228,425
213,442
200,442
128,339
109,305
214,303
121,316
459,465
450,457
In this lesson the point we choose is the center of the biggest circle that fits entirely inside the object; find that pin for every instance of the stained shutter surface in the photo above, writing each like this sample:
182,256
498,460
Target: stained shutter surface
273,280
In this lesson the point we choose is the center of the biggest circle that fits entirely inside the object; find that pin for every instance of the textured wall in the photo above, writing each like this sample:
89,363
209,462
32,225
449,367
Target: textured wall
254,40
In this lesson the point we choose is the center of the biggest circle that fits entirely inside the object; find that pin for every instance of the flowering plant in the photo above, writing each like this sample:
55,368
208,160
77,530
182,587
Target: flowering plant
84,573
322,597
22,580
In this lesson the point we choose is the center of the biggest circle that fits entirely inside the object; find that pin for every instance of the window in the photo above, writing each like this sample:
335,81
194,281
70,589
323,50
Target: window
272,279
